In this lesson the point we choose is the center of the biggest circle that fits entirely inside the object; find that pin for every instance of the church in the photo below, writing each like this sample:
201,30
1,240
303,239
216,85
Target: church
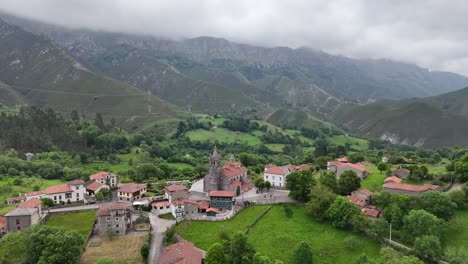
231,176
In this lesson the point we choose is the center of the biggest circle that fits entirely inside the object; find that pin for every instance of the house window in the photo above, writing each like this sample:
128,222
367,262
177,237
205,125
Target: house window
167,207
160,208
273,177
55,197
17,221
116,219
107,218
266,176
18,228
77,187
68,195
280,184
109,225
117,231
116,226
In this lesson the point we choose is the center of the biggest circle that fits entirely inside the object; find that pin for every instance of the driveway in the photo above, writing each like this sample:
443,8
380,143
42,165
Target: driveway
159,227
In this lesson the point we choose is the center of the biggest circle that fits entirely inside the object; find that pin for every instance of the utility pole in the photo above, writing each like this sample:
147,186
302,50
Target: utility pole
390,233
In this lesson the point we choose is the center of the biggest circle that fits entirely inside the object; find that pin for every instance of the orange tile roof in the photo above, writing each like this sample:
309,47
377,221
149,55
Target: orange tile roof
179,202
107,208
212,209
303,167
101,175
236,183
275,170
364,191
161,204
2,222
34,193
357,200
221,194
410,187
372,212
175,188
32,203
15,199
76,182
61,188
232,168
392,179
94,186
182,252
203,204
131,187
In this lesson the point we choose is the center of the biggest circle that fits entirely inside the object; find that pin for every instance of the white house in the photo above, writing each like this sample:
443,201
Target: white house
276,175
162,207
105,177
71,191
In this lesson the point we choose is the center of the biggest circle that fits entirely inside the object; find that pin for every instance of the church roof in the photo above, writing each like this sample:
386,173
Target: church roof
231,169
215,152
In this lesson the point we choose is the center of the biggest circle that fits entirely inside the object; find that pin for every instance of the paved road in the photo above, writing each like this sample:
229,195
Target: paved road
159,227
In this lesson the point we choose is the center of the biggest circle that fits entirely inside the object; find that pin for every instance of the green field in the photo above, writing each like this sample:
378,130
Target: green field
356,143
374,181
130,156
81,221
457,233
180,166
6,209
222,135
276,236
115,168
9,189
275,147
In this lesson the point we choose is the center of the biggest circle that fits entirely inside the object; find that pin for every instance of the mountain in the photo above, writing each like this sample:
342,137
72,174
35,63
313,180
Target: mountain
33,70
430,122
209,75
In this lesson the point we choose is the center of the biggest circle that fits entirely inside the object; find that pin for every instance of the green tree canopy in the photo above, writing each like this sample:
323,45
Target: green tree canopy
461,168
328,179
216,254
321,197
344,214
348,182
240,250
302,254
420,222
438,204
427,248
299,184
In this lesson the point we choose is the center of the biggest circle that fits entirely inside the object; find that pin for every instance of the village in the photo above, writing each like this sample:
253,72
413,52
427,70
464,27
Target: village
225,191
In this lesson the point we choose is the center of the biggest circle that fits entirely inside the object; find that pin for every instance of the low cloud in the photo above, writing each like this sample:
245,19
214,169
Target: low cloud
430,33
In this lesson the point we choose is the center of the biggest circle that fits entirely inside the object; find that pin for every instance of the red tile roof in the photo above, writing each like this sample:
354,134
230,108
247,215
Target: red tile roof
76,182
212,209
179,202
246,186
101,175
348,164
183,252
16,199
203,204
175,188
232,168
2,222
303,167
357,200
236,183
275,170
392,179
221,194
61,188
269,165
161,204
32,203
364,191
371,212
131,187
410,187
29,194
107,208
94,186
399,170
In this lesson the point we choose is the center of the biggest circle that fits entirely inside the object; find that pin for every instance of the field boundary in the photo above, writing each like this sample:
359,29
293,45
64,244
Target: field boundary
249,228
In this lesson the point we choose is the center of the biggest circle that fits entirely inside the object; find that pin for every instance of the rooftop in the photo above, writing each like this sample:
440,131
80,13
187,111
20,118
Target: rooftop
364,191
410,187
15,199
161,204
101,175
131,187
107,208
232,168
32,203
21,211
221,194
357,200
2,222
183,252
175,188
61,188
76,182
394,179
94,186
372,212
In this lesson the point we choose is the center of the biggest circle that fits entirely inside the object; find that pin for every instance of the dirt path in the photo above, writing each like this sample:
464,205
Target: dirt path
157,236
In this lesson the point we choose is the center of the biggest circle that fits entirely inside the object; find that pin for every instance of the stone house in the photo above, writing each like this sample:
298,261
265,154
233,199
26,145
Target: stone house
92,187
222,200
339,167
362,193
25,215
410,189
116,217
105,177
175,192
15,200
401,173
161,207
131,191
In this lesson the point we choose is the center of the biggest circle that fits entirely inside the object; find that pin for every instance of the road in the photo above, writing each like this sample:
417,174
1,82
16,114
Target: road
159,227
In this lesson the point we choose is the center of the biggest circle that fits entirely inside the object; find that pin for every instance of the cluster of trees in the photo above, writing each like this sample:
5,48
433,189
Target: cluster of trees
237,250
280,138
261,184
46,244
240,124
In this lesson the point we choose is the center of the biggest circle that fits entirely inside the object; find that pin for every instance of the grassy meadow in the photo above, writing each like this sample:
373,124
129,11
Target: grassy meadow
457,231
81,221
275,235
8,189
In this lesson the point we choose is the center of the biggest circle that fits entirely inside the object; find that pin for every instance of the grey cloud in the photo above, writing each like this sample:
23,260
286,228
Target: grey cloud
430,33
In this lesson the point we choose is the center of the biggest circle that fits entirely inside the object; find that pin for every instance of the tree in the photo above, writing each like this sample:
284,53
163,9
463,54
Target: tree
200,170
394,215
344,214
302,254
419,223
321,148
348,182
321,197
321,162
240,250
74,116
328,179
382,166
437,203
261,185
287,211
456,255
364,259
47,202
46,244
99,121
458,197
390,256
427,248
216,254
355,158
299,184
99,196
260,259
267,185
461,168
145,250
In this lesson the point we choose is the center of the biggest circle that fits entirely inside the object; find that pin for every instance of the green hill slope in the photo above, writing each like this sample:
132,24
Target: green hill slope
413,123
45,75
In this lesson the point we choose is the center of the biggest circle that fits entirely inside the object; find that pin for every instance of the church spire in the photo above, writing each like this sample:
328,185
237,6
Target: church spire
215,152
232,159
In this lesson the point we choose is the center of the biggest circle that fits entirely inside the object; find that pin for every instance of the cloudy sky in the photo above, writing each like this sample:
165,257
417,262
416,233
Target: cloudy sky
433,34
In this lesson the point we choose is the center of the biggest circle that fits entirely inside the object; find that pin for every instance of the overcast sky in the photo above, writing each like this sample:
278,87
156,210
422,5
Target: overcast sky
433,34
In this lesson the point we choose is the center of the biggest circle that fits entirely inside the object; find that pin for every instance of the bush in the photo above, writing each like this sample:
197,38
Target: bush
144,250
